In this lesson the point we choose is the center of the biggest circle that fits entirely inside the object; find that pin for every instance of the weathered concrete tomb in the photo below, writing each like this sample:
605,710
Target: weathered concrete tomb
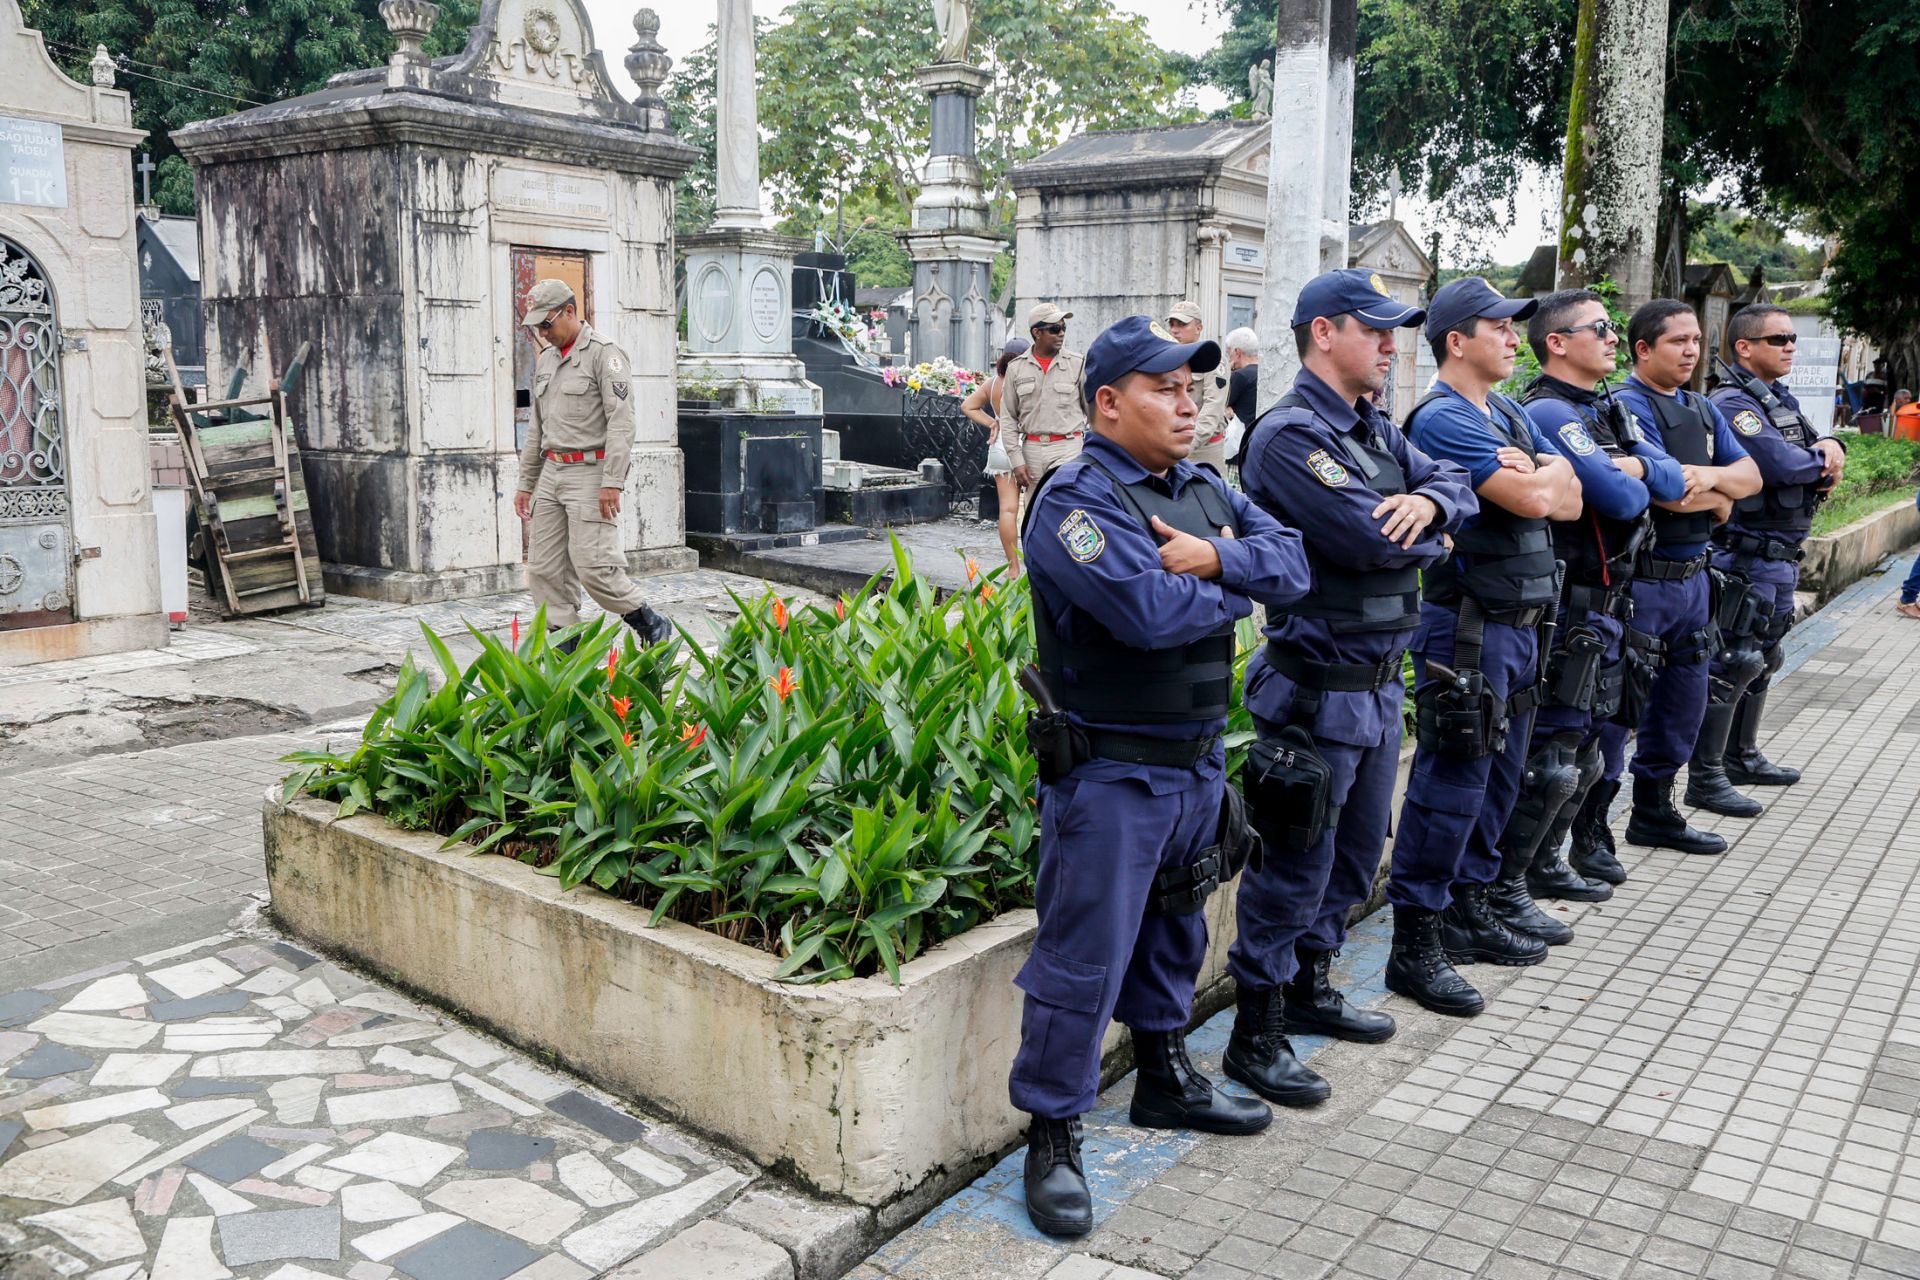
395,219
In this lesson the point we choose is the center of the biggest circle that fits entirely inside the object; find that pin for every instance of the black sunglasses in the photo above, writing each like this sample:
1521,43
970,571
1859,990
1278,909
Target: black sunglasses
1598,328
1777,339
1051,328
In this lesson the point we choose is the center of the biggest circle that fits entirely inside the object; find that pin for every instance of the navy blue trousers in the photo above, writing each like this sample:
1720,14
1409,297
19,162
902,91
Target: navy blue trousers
1105,831
1675,612
1303,902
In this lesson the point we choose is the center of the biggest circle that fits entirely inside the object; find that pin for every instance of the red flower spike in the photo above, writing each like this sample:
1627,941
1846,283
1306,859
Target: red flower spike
779,613
840,610
620,706
627,738
692,735
986,591
783,683
613,661
973,568
516,631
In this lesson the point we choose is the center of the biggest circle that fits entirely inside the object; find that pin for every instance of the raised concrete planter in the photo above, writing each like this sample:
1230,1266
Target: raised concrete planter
888,1096
1837,560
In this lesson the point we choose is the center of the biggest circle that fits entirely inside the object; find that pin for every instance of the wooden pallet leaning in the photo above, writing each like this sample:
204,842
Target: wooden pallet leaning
250,496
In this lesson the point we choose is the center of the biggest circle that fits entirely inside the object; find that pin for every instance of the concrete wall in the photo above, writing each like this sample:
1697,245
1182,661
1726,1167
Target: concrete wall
1837,560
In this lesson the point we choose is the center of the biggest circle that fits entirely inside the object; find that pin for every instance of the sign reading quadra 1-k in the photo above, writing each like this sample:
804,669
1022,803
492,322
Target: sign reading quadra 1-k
33,163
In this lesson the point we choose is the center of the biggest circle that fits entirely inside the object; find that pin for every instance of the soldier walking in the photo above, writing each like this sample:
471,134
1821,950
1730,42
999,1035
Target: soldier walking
1043,411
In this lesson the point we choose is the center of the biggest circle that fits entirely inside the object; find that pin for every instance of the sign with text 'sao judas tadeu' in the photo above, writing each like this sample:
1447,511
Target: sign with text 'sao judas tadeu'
33,163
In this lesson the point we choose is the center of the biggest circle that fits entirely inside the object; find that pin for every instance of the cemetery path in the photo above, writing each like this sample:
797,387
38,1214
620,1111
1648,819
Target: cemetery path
1719,1077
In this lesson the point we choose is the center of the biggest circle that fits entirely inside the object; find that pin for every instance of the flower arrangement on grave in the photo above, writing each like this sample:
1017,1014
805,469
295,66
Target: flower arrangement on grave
843,322
936,377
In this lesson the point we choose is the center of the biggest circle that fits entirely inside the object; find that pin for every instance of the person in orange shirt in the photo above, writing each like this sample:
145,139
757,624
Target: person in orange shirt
1906,416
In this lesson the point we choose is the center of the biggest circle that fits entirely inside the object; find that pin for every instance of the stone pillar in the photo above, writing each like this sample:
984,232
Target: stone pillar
1208,289
1336,163
736,120
1611,184
950,245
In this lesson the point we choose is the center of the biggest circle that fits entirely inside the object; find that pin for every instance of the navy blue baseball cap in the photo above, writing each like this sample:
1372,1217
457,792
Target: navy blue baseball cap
1356,293
1471,296
1141,344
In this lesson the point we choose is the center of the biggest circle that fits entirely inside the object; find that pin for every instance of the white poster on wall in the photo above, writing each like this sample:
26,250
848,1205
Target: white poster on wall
1816,369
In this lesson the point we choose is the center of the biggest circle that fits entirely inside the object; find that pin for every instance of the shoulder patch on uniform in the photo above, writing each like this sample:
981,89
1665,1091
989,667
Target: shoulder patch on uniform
1325,469
619,389
1576,438
1082,537
1747,422
613,363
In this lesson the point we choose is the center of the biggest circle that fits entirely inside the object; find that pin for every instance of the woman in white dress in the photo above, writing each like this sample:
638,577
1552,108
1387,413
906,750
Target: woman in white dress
983,406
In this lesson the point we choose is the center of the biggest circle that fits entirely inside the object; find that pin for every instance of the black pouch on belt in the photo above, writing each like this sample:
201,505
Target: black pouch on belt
1574,667
1456,716
1643,657
1734,609
1288,786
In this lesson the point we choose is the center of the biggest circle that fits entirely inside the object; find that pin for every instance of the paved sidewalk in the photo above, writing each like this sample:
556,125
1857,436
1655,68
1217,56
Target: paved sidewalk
1719,1077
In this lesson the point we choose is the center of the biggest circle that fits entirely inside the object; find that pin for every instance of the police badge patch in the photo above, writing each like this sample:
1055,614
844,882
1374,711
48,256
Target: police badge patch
1577,439
1325,469
1747,422
613,364
1082,537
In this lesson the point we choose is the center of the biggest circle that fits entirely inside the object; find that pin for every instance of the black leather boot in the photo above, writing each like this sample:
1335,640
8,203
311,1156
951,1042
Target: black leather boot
1470,931
1548,876
651,627
1057,1197
1260,1057
1707,785
1746,767
1510,901
1593,854
1170,1093
1313,1006
1419,970
1655,823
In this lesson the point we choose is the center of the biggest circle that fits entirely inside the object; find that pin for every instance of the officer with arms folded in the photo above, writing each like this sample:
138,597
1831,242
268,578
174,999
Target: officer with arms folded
1326,691
1476,659
1673,632
1569,780
1760,548
1140,564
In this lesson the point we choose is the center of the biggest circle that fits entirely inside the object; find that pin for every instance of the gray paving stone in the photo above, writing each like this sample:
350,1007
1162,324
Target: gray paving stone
268,1235
816,1234
466,1252
195,1087
17,1007
300,960
199,1007
487,1149
49,1059
597,1116
235,1158
9,1130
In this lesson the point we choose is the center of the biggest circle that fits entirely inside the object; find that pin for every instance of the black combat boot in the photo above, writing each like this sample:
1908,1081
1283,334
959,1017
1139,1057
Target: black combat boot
1549,876
1419,970
1707,785
1656,823
1170,1093
1470,932
1746,767
1057,1197
1593,854
651,627
1511,902
1314,1007
1260,1057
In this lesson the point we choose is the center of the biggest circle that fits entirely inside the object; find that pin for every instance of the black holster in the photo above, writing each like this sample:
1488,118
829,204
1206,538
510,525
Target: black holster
1643,658
1735,612
1289,789
1573,668
1054,744
1461,718
1179,891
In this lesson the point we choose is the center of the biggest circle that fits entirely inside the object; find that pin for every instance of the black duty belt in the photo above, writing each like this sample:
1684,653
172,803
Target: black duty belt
1333,677
1139,748
1527,616
1672,570
1742,543
1609,602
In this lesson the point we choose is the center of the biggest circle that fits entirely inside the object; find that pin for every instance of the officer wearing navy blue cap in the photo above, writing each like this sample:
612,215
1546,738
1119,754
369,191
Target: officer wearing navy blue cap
1140,565
1761,547
1476,660
1673,633
1374,511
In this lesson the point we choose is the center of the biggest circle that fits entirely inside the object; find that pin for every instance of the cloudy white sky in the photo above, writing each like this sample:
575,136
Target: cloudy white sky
1189,26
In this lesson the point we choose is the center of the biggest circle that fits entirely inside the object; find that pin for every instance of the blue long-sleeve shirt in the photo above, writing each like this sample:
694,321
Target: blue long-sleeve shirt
1603,485
1780,463
1724,448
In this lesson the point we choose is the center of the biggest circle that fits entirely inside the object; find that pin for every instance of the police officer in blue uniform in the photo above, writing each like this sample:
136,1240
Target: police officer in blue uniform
1673,632
1476,657
1141,563
1326,691
1759,551
1569,781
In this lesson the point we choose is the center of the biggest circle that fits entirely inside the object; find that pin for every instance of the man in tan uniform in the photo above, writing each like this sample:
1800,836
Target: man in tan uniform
1043,411
573,468
1210,428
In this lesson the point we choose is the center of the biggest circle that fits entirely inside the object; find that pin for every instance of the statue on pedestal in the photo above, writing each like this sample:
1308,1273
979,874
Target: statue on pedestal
1260,90
955,20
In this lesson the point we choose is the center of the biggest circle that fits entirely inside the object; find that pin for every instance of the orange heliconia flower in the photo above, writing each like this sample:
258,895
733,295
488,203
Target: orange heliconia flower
973,568
627,738
613,661
783,683
779,613
516,631
986,591
620,706
840,610
691,734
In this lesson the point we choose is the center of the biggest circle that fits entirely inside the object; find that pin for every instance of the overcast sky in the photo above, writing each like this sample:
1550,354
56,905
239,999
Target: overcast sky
1189,26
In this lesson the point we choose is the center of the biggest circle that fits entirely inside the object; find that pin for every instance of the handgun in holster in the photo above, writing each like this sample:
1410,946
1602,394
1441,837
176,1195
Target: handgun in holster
1735,611
1574,667
1055,743
1457,715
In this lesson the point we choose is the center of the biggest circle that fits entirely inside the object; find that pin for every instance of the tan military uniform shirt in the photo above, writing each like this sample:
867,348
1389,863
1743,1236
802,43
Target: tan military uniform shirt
581,402
1210,428
1042,402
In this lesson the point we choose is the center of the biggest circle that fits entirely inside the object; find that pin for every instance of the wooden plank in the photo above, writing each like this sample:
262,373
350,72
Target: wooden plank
235,509
233,434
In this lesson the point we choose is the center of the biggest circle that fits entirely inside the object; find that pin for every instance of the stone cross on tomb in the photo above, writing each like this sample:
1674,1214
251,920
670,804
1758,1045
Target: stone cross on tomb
146,167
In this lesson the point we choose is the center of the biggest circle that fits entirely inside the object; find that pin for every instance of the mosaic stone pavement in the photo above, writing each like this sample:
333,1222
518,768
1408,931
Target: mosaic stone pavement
237,1107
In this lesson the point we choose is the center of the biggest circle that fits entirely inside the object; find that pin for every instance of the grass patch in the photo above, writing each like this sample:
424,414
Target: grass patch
1880,474
1837,513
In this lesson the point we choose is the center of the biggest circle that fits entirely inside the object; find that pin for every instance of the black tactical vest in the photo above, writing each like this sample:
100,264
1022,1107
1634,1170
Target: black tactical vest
1784,509
1687,431
1597,550
1509,560
1343,597
1110,682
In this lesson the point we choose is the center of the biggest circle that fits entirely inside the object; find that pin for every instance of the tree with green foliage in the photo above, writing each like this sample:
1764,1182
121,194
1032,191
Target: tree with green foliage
187,60
1749,242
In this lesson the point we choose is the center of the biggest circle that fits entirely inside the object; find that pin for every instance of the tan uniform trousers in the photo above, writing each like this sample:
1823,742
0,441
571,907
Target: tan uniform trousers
1212,455
569,546
1042,456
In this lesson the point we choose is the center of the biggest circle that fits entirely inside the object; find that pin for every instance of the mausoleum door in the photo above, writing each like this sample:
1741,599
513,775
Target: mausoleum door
36,541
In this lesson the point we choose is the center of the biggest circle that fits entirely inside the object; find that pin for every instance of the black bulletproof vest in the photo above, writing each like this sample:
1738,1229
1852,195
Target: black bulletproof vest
1597,550
1784,509
1509,559
1687,431
1343,597
1114,683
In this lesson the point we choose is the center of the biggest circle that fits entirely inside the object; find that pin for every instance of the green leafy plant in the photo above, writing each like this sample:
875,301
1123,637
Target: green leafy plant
1880,472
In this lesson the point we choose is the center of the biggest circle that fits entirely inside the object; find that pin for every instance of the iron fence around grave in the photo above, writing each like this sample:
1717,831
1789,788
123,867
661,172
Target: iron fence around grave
935,428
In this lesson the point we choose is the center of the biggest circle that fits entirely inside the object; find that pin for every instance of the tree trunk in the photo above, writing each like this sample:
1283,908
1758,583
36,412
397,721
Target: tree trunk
1611,183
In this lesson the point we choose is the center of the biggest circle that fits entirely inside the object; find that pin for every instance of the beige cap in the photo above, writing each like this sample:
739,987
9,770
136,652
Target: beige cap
1046,313
1187,312
545,298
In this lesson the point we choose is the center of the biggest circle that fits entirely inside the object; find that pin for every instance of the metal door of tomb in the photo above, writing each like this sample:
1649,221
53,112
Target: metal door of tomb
36,560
